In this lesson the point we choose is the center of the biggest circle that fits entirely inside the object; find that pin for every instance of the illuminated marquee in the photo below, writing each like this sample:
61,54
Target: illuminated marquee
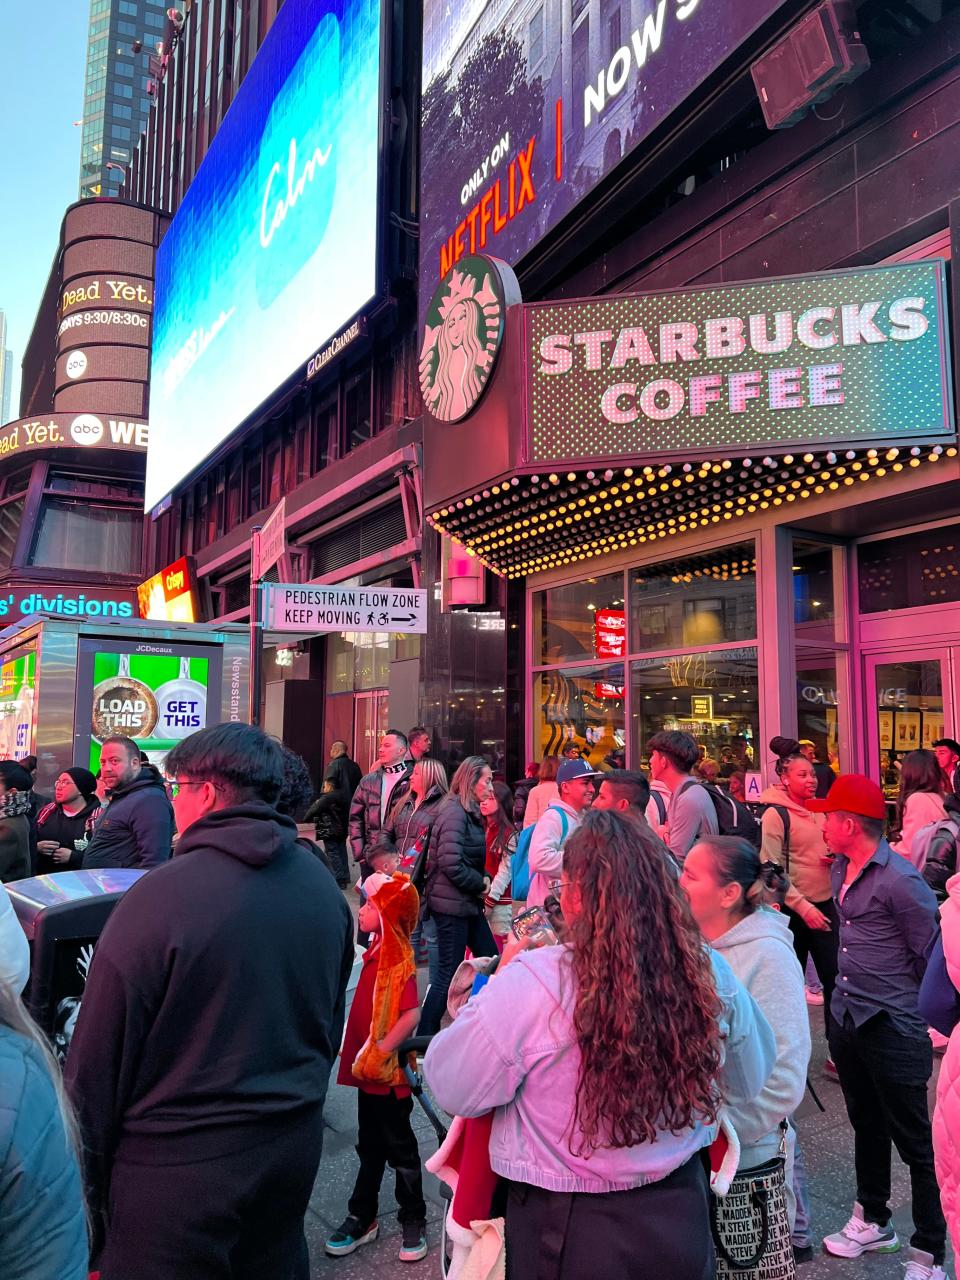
848,355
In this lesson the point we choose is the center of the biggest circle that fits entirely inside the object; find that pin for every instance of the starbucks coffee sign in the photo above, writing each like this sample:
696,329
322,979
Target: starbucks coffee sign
462,335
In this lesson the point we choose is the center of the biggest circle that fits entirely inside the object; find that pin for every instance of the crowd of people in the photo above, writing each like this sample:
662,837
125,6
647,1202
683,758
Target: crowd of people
619,966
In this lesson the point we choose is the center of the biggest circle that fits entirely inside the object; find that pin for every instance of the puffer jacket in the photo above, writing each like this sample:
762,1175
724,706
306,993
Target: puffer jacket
365,823
43,1233
946,1116
458,854
408,826
328,813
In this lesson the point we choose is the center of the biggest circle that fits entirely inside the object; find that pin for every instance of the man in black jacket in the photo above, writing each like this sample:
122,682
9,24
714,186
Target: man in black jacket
211,1017
376,795
343,772
136,829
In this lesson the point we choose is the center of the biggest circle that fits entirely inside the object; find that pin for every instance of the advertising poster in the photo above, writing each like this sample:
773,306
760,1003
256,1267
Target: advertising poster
274,247
528,104
18,684
156,694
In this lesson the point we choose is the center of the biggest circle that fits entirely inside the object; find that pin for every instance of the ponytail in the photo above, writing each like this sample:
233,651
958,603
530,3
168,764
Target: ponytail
736,861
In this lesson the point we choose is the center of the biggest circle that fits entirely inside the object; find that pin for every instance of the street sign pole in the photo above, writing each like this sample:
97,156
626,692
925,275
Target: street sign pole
256,628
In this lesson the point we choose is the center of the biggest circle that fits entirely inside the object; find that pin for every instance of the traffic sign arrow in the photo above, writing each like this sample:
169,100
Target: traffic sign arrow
409,617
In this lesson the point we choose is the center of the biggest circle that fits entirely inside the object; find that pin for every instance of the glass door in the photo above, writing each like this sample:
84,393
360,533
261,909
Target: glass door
370,720
909,704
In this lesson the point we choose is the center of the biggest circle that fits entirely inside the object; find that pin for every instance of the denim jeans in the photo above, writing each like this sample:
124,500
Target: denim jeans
454,935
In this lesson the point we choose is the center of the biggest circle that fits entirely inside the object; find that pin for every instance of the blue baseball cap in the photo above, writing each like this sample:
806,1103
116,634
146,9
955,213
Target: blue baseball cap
573,769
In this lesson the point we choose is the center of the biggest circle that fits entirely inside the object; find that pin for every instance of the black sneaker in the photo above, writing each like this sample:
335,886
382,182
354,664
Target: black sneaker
802,1253
350,1235
414,1245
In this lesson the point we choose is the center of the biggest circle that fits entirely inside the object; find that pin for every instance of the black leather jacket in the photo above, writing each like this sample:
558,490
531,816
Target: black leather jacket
941,861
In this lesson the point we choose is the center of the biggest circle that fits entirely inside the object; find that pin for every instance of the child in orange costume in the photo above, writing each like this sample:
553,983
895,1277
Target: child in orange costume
385,1012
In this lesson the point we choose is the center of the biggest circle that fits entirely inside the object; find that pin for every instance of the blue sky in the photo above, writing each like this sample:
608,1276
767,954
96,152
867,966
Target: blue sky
42,52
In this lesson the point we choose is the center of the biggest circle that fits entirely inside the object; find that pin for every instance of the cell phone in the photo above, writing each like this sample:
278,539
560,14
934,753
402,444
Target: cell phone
535,925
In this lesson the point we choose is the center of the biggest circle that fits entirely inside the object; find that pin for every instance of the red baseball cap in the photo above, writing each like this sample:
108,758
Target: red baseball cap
852,793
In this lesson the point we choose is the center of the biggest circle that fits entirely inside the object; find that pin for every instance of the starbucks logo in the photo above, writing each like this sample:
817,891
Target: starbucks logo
462,336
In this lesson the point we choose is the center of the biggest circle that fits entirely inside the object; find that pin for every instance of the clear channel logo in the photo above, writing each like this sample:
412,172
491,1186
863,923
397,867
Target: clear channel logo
76,364
86,429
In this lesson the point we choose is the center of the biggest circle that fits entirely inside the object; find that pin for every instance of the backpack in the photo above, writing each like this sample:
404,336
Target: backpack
520,861
784,814
924,838
661,807
733,818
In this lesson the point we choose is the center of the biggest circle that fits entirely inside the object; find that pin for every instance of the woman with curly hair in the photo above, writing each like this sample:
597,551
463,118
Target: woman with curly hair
605,1059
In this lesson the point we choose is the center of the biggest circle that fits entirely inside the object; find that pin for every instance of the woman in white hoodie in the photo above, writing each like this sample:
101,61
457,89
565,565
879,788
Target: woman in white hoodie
726,883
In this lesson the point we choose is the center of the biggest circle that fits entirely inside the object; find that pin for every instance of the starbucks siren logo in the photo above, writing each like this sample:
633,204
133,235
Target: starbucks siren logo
462,336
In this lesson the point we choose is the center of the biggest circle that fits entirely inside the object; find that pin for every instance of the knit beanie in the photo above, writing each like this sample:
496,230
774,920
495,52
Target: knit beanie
84,780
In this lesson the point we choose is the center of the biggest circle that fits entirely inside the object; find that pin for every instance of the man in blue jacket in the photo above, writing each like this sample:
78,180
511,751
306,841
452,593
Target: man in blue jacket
136,829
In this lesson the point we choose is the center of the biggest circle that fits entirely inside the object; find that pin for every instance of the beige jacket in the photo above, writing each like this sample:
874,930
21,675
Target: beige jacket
806,860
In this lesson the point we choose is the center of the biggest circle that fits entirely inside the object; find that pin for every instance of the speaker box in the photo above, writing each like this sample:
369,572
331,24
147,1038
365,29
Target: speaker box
813,60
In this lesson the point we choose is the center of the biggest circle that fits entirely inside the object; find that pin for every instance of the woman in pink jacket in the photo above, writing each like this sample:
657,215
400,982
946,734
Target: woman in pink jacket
920,801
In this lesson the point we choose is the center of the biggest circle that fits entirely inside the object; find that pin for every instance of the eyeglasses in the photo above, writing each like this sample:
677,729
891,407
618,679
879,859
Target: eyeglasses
555,886
176,783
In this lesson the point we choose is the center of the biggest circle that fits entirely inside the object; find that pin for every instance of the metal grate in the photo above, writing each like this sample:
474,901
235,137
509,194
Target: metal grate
364,537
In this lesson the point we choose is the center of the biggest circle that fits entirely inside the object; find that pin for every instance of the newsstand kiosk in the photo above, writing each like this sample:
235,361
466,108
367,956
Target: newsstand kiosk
67,684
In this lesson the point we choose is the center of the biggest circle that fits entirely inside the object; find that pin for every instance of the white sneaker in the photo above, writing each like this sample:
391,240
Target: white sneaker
859,1237
920,1266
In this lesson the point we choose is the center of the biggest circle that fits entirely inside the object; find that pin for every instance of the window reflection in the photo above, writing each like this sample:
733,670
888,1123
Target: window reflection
582,708
698,600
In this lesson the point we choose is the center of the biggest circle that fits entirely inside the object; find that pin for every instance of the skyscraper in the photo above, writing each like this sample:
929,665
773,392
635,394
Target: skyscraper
123,36
6,372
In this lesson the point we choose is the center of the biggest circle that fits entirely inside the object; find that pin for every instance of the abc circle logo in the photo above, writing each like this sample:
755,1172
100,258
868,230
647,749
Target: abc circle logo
86,429
76,364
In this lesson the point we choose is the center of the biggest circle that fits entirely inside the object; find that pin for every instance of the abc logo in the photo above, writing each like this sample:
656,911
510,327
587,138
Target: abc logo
76,364
86,429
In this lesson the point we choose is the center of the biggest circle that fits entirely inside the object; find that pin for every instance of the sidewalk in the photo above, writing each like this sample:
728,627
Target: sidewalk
828,1147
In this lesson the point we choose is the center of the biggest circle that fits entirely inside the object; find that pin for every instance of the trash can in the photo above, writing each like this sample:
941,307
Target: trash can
63,916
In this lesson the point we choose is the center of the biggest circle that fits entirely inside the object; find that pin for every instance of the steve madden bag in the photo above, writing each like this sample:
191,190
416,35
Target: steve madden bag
751,1230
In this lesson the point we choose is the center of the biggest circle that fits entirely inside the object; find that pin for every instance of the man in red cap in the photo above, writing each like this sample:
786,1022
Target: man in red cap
888,920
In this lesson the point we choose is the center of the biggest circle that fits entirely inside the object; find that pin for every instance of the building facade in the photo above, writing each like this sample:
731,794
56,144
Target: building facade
339,440
800,586
125,42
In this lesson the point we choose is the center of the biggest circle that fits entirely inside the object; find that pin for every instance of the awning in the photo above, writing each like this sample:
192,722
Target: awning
527,523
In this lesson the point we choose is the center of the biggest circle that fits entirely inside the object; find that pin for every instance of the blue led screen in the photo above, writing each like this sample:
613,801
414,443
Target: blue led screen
274,246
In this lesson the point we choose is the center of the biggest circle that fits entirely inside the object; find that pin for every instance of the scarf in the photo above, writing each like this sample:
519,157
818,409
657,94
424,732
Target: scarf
14,803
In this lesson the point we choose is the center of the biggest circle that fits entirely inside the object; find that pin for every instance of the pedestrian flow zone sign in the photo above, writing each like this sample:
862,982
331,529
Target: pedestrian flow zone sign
316,608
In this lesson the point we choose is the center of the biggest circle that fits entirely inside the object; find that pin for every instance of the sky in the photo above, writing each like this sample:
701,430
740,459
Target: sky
43,46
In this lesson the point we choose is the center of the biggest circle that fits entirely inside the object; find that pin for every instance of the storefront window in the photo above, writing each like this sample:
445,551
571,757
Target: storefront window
583,707
818,704
712,696
357,660
914,570
812,584
76,535
699,600
566,618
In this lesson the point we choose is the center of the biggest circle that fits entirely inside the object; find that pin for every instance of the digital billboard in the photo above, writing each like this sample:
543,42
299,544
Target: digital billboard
18,684
528,104
154,693
274,247
853,355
